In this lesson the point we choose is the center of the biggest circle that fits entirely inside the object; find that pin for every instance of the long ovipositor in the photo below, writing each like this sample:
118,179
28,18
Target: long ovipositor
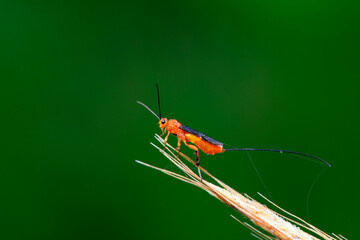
201,141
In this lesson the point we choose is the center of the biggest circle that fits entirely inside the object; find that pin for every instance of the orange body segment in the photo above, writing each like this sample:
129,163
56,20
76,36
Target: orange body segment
206,147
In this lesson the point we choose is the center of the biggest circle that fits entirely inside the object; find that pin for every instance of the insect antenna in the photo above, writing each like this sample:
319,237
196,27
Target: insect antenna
148,109
280,151
158,95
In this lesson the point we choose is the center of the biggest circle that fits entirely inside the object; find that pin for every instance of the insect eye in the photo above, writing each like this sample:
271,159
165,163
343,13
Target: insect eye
163,121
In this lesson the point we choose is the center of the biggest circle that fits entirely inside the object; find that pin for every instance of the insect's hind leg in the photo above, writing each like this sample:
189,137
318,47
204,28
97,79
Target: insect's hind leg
198,163
196,149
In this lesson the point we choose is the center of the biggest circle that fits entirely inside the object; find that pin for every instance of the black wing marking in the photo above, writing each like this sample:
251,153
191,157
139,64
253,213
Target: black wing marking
201,135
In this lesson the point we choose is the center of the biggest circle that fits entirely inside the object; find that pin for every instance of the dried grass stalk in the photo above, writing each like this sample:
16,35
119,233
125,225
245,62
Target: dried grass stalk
277,225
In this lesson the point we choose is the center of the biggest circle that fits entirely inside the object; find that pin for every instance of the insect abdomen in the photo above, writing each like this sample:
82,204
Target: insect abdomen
205,146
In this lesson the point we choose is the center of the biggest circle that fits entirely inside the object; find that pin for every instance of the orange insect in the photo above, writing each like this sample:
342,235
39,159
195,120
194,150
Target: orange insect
200,140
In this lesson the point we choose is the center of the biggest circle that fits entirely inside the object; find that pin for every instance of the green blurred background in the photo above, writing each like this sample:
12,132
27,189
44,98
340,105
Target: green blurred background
262,74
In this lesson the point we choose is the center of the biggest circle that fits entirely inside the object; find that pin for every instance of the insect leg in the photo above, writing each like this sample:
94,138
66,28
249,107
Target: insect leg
196,149
163,131
181,137
178,146
165,140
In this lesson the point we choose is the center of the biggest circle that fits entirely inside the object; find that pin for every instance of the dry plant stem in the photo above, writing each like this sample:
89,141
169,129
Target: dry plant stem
272,222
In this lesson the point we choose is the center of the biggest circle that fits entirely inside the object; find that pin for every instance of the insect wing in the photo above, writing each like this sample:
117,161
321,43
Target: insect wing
201,135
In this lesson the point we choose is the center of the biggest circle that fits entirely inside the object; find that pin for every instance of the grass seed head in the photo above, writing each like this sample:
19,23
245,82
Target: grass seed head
277,225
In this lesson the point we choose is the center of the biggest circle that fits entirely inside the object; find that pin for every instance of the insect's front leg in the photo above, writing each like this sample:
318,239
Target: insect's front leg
165,140
163,131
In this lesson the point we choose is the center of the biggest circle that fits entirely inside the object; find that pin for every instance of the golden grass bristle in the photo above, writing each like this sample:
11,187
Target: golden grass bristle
279,226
